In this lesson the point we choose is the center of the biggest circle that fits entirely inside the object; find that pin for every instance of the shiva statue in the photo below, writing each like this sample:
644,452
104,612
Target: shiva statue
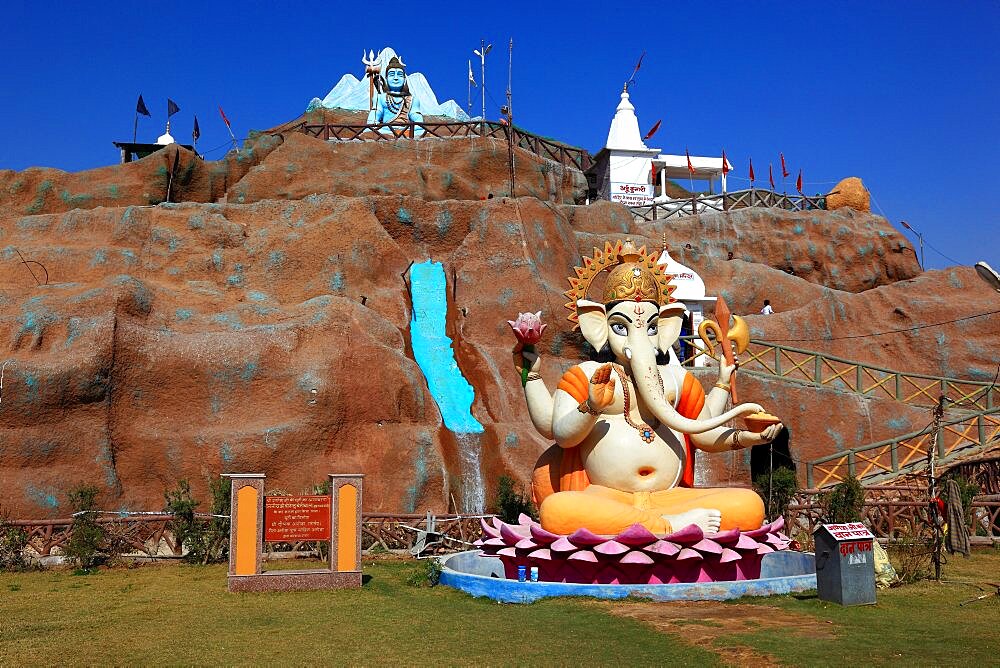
394,105
626,425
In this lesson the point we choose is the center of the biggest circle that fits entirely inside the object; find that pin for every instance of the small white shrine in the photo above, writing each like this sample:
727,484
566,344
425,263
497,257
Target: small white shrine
624,169
690,292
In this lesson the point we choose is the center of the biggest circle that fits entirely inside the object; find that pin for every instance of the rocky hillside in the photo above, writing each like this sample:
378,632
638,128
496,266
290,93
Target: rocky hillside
259,321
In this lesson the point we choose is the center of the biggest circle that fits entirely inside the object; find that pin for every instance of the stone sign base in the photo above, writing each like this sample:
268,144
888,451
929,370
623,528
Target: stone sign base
306,580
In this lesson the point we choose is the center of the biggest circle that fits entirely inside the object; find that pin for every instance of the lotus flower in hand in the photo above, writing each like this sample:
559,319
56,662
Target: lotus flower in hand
528,328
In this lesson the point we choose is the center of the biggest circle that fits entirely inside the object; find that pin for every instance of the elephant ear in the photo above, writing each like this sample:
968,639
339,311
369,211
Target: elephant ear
593,319
668,325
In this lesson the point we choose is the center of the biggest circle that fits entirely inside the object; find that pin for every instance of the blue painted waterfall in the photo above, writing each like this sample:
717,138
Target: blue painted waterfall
451,391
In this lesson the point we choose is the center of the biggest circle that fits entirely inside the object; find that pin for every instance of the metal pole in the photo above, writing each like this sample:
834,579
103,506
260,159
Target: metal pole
932,491
135,127
482,60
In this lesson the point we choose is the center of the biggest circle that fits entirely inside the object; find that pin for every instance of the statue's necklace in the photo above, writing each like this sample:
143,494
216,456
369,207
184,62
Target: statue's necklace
645,431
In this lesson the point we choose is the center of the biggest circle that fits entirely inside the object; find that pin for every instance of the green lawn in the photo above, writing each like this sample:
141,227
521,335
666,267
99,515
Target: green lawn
183,615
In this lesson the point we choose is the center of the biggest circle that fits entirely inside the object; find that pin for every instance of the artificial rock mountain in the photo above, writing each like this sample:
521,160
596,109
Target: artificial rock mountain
259,320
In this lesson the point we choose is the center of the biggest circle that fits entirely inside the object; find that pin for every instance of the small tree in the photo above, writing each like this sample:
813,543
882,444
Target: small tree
206,542
845,502
86,535
512,501
777,488
13,540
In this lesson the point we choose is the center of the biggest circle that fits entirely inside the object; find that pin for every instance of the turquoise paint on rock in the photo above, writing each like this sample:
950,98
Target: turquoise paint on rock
432,349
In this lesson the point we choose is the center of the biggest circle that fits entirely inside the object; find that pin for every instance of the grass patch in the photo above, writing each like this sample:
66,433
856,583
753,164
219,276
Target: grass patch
182,614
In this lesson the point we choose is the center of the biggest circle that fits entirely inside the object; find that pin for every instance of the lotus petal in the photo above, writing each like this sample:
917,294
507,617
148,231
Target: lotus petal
689,534
636,535
729,555
526,544
757,533
508,552
541,536
636,557
508,533
497,522
707,546
585,537
725,537
688,553
584,555
610,547
771,539
524,520
543,554
563,545
497,542
488,529
746,543
663,547
778,524
764,549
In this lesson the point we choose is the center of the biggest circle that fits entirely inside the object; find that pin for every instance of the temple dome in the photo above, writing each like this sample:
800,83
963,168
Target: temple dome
624,133
690,287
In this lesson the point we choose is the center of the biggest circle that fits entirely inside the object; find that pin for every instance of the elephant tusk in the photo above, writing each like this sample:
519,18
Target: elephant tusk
628,353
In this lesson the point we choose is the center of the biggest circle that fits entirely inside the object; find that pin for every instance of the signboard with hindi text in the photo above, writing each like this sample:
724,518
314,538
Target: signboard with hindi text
296,518
632,194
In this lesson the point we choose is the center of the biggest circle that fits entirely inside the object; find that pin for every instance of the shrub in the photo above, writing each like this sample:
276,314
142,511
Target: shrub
912,558
428,574
13,540
512,501
86,535
845,502
777,488
206,541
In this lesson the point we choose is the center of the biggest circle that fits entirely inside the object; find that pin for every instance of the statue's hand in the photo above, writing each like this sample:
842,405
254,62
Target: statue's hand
601,389
749,408
726,371
750,438
522,357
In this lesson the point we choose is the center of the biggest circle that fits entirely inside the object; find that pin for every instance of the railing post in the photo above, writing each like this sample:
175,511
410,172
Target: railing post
981,429
894,456
940,442
809,475
899,386
819,369
859,378
777,361
851,467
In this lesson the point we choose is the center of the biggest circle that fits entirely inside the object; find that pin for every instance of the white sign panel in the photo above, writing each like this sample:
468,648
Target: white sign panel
632,194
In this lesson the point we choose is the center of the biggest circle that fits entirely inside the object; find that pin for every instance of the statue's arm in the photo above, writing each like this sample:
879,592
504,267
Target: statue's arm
375,115
416,113
722,439
718,396
536,393
570,425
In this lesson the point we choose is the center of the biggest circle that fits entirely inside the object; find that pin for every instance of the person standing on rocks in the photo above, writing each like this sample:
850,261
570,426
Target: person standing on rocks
767,310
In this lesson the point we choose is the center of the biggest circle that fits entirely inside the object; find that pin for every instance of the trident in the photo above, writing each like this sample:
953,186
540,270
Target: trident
372,69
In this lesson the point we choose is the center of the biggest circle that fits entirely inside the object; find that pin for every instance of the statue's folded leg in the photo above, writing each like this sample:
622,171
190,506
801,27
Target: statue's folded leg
599,509
741,508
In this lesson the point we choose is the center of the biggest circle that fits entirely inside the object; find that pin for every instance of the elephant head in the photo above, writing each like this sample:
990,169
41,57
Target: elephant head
637,320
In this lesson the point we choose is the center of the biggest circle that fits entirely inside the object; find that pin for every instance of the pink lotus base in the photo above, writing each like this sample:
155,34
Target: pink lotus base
634,556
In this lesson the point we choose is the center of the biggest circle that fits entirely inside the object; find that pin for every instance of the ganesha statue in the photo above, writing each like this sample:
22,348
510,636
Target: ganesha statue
627,423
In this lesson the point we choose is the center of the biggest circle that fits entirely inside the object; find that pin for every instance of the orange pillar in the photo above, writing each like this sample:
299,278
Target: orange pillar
345,544
246,523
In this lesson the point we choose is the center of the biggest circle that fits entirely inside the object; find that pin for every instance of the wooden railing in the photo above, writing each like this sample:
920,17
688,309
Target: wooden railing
152,534
740,199
567,155
963,435
895,512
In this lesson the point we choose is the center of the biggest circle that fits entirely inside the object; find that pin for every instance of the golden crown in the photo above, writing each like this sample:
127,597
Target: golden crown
634,274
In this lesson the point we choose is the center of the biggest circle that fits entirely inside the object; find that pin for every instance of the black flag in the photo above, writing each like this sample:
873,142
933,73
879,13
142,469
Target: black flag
140,107
196,132
172,108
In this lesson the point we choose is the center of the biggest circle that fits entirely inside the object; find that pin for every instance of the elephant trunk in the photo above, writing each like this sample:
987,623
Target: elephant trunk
646,376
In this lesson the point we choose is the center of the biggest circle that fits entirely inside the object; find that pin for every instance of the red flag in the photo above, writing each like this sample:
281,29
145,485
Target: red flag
751,171
725,163
652,130
770,174
224,119
690,166
798,182
784,170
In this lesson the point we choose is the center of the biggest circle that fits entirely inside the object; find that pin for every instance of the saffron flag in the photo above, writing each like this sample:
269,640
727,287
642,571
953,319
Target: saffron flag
196,131
751,171
725,163
798,182
770,174
784,170
172,108
652,130
690,166
140,107
224,119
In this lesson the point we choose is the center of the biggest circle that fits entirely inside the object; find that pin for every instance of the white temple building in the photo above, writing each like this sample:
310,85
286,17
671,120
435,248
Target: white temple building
690,292
623,170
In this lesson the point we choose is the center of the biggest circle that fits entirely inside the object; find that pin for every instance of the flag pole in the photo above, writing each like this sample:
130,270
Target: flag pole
135,127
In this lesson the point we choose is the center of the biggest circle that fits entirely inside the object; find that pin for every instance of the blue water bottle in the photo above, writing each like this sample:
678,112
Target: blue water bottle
521,573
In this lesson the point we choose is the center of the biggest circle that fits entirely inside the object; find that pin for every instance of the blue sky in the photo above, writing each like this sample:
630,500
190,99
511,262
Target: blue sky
904,95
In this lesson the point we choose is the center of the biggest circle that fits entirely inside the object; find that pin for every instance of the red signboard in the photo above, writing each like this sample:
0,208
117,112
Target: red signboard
296,518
